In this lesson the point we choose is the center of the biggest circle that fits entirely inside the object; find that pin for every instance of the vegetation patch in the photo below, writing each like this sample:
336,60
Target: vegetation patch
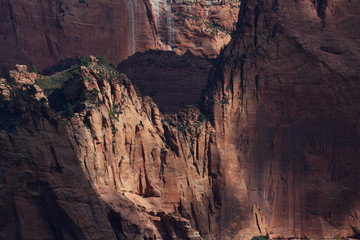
115,112
181,127
33,69
65,91
112,116
202,117
101,60
11,81
84,61
187,16
53,87
210,27
50,83
266,237
94,95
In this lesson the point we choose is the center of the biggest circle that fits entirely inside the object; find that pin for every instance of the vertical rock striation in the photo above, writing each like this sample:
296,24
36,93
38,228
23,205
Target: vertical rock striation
284,100
151,173
279,154
42,33
44,192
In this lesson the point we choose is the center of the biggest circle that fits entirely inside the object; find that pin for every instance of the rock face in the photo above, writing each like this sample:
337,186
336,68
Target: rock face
148,175
284,100
279,154
172,81
42,33
44,192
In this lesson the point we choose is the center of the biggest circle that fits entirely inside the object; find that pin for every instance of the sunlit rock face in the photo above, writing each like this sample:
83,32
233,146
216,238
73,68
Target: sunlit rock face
275,149
42,33
201,26
284,100
107,165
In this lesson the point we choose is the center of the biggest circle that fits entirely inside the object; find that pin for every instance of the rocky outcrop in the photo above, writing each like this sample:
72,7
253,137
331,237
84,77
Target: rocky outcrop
172,81
127,146
150,173
278,156
44,192
42,33
284,100
203,27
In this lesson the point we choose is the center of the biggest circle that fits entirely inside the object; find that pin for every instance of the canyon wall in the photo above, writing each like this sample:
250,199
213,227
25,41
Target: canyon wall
274,150
42,33
116,156
44,192
284,100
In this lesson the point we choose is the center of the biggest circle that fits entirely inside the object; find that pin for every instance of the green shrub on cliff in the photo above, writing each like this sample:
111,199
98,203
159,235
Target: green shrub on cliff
266,237
33,69
84,61
50,83
101,60
68,110
202,117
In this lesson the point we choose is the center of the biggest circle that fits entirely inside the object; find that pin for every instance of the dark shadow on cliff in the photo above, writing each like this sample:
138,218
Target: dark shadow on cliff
171,80
45,193
297,108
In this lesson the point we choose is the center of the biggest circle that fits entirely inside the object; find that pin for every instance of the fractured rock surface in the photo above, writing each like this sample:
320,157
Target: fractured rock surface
146,173
284,100
279,154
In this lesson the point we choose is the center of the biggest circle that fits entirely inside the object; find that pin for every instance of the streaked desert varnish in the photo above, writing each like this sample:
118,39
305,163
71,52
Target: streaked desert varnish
43,33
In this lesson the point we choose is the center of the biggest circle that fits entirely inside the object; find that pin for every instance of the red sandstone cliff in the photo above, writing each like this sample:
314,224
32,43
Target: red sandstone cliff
147,174
280,155
42,33
284,100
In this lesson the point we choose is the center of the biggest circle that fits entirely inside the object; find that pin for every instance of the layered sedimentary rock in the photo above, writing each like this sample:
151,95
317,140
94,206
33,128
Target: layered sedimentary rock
284,100
42,33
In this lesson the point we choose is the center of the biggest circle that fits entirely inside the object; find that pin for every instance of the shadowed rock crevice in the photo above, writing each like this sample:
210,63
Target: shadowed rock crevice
321,6
274,151
51,202
171,80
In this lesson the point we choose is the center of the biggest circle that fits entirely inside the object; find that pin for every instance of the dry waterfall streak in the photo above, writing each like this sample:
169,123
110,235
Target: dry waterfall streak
207,4
131,19
170,27
156,6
